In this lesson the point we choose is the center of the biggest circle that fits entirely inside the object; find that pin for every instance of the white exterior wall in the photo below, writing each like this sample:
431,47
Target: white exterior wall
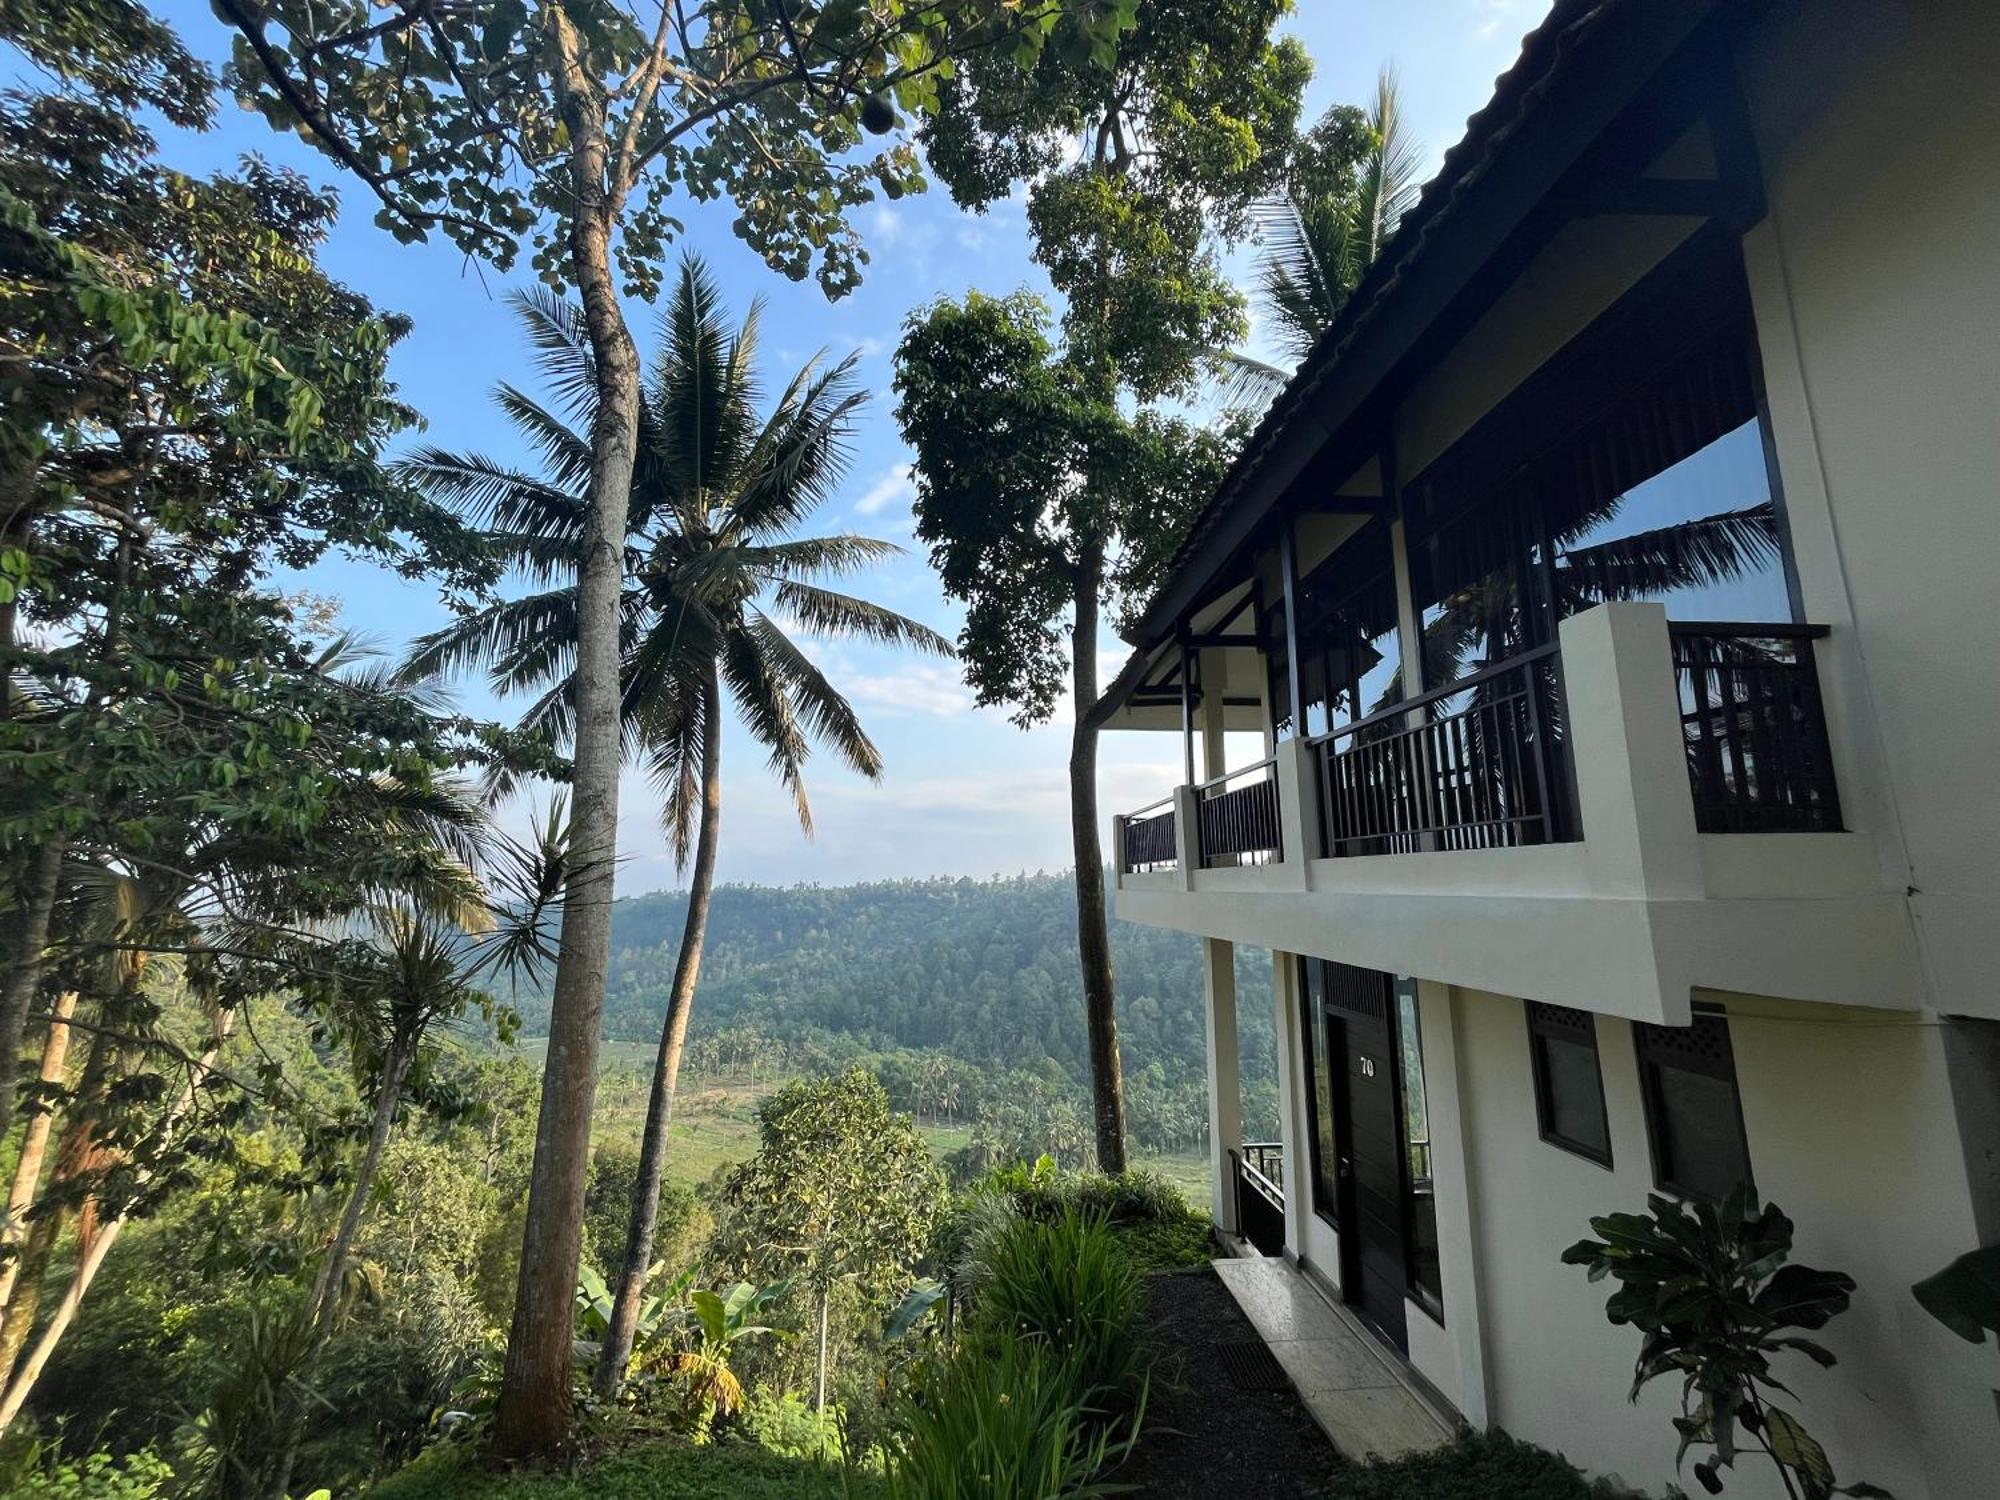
1848,1118
1876,281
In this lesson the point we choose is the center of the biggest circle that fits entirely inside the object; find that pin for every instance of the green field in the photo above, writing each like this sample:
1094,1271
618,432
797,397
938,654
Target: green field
715,1120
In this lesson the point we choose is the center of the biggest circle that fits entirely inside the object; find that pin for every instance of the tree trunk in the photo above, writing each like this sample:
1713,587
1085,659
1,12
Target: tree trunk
1093,937
532,1417
325,1298
819,1395
94,1237
34,1144
18,990
667,1066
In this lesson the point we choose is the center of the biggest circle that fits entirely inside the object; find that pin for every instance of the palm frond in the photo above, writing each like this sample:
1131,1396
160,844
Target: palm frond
829,717
1688,554
560,334
565,452
1245,382
492,494
802,453
766,710
826,612
1389,175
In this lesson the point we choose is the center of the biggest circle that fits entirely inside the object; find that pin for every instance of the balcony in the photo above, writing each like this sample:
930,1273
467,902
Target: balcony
1608,822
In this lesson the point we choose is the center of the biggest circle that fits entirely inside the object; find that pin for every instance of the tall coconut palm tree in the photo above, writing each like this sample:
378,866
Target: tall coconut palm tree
716,577
1319,238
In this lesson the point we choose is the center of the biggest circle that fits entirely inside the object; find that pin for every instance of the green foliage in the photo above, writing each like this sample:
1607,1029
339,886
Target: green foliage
1710,1289
841,1189
1184,126
786,1424
1155,1226
1036,489
142,1475
1066,1283
1007,1418
470,122
661,1471
1965,1295
1478,1466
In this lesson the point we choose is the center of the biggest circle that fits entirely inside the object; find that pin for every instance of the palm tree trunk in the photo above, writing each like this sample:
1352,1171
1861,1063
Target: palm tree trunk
1093,937
667,1066
325,1298
18,990
34,1145
532,1417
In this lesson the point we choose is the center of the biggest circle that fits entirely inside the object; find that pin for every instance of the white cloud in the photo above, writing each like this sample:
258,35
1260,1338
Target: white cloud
895,488
922,688
1493,17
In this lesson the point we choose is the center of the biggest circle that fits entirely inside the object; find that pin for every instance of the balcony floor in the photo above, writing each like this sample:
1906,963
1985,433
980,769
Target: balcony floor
1352,1389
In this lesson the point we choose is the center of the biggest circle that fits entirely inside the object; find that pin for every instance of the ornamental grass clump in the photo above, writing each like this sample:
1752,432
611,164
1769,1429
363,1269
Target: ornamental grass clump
1005,1418
1068,1285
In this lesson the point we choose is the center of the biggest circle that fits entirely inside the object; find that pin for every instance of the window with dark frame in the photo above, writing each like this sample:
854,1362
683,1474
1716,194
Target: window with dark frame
1569,1080
1694,1112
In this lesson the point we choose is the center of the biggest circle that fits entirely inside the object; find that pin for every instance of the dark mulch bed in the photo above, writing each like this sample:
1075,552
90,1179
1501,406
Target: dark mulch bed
1220,1421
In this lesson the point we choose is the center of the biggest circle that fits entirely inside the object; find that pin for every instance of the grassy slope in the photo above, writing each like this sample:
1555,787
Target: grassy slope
715,1124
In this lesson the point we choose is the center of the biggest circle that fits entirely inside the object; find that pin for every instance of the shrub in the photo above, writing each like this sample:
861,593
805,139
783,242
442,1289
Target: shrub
97,1476
1004,1419
1067,1284
1710,1290
1161,1230
1476,1467
787,1424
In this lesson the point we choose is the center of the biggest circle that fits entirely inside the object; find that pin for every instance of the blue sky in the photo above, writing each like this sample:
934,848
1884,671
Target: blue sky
965,792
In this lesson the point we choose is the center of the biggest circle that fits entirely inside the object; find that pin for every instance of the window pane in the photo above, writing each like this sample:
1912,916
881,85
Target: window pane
1421,1195
1700,536
1319,1094
1575,1099
1351,666
1701,1125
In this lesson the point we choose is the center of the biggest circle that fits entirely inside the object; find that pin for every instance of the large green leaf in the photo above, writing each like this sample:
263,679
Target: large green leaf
1802,1297
1965,1295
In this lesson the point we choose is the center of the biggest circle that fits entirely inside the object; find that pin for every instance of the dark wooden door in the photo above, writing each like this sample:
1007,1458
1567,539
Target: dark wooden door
1375,1269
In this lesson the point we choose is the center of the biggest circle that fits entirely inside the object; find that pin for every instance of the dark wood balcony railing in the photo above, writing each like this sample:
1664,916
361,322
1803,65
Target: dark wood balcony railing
1237,817
1477,764
1150,842
1257,1171
1757,748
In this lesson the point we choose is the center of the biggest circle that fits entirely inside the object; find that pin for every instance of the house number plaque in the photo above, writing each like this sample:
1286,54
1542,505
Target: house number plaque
1367,1067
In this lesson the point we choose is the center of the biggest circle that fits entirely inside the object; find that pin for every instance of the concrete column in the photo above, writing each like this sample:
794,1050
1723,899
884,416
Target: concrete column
1452,1166
1298,810
1188,834
1291,1095
1225,1087
1633,797
1209,719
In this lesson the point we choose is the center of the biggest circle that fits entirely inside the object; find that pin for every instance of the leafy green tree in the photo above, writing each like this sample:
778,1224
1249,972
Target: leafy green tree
717,498
1045,503
1143,160
576,121
842,1190
191,400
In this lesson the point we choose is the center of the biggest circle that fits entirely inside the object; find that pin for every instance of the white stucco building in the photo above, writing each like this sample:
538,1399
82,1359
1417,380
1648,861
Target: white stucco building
1605,625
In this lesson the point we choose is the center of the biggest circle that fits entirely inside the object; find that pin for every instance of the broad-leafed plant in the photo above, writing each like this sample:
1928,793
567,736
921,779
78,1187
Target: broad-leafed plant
1711,1290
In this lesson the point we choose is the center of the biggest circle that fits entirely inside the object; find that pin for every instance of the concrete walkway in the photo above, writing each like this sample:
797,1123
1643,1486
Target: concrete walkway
1352,1391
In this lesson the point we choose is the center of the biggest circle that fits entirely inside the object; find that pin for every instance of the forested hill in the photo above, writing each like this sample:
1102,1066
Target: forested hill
984,970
